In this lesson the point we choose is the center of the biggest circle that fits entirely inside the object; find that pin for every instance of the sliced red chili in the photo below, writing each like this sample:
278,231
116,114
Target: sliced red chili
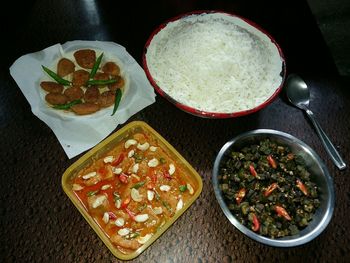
152,174
271,161
123,178
270,189
167,175
154,178
130,213
290,156
150,185
102,171
125,203
282,212
112,215
240,195
302,187
256,223
118,160
253,171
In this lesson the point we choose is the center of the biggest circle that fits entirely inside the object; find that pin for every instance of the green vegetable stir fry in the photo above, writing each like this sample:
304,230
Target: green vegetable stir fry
268,189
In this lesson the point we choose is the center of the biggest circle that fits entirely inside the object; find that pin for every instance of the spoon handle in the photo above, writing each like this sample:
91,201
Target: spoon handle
332,151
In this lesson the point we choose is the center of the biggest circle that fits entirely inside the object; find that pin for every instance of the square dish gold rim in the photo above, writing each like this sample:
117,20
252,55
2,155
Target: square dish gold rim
115,138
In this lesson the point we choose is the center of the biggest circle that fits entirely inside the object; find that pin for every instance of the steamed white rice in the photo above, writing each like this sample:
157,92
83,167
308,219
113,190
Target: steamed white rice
215,63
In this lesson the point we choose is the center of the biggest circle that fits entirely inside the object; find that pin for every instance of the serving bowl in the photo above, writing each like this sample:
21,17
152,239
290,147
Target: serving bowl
129,221
214,64
318,174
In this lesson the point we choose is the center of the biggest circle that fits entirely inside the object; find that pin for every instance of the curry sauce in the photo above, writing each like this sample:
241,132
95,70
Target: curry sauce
133,190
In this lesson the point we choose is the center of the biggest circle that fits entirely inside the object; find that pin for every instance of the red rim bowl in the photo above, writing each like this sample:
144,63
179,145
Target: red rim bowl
208,114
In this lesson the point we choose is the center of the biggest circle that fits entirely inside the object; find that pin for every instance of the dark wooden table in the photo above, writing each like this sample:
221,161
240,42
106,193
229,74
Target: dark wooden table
40,224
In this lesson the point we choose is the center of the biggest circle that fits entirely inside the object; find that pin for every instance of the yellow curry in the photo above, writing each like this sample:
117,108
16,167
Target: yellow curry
133,190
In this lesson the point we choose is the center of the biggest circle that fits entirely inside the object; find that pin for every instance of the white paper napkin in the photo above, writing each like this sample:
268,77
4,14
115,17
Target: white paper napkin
75,133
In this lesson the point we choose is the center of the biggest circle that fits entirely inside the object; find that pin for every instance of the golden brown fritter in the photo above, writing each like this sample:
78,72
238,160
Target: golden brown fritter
106,99
111,68
85,58
85,108
51,87
117,85
56,98
80,77
101,76
74,93
92,94
65,67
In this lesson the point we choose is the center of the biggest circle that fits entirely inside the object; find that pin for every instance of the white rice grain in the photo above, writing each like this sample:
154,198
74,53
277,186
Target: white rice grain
211,64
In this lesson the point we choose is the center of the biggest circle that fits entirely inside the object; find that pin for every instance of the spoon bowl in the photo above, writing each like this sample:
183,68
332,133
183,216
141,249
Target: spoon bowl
298,92
299,95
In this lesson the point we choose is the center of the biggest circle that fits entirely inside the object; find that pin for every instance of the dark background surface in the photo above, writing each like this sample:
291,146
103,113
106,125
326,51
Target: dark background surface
40,224
333,19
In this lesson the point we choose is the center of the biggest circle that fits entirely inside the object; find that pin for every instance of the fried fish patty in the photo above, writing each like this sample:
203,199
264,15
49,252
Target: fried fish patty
56,98
85,108
80,77
65,67
111,68
106,99
85,58
74,93
92,94
51,87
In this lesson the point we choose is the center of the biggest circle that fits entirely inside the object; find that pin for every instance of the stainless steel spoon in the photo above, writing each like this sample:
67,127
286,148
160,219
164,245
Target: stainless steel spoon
299,95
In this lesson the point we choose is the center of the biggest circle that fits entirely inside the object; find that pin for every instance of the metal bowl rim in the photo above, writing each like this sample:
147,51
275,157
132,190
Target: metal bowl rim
290,242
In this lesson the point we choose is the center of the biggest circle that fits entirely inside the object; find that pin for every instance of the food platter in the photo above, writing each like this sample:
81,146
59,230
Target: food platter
82,91
67,126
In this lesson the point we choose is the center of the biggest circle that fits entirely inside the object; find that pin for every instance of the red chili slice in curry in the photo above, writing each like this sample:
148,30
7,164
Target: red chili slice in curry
123,178
302,187
282,212
252,171
272,161
256,223
118,160
270,189
240,195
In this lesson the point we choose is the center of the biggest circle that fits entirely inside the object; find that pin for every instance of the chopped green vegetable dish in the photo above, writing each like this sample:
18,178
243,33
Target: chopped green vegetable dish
268,189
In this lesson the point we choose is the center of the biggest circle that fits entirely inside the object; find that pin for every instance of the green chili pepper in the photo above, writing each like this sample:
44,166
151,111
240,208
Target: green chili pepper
100,81
138,158
141,207
138,185
58,79
157,196
66,106
167,206
91,193
133,235
118,97
162,160
183,188
116,196
95,67
164,203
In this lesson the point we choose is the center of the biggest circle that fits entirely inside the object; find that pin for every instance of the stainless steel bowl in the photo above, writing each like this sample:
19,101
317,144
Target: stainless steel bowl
316,167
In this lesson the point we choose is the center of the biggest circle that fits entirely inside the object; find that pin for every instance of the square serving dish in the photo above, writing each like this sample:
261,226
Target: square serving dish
159,207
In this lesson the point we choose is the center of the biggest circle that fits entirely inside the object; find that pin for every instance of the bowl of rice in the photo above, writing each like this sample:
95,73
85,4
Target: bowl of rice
214,64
